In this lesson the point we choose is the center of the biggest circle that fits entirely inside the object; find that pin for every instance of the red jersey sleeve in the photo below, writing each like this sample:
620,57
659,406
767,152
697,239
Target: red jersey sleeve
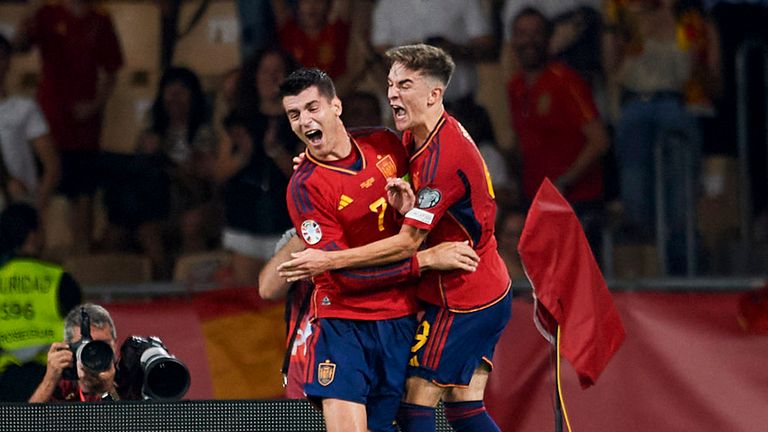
313,215
440,185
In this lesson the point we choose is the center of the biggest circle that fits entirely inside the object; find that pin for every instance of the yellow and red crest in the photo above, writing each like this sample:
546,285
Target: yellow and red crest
326,371
387,166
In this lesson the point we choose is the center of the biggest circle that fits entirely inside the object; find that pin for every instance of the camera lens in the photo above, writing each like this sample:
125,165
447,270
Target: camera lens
166,379
95,356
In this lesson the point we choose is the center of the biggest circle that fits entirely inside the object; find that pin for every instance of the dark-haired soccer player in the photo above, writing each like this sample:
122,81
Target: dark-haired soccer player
466,311
365,317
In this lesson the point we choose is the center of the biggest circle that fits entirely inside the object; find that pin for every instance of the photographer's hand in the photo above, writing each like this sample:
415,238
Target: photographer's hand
101,382
59,358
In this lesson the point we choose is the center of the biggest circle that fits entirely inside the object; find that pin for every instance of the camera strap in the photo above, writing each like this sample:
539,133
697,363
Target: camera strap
299,318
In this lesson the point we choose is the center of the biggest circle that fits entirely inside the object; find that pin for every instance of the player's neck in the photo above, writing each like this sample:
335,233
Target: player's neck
422,131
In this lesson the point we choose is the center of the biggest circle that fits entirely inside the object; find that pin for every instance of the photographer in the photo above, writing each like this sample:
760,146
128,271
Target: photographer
34,298
85,385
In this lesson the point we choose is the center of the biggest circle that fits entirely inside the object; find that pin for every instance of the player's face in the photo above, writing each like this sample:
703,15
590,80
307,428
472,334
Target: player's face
315,120
409,96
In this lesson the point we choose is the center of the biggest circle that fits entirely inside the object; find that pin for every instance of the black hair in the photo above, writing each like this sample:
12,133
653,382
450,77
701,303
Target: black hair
304,78
532,11
5,46
198,107
17,222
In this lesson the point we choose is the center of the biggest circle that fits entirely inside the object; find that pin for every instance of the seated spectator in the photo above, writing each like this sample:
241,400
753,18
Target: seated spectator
177,151
253,165
85,385
35,317
24,140
559,130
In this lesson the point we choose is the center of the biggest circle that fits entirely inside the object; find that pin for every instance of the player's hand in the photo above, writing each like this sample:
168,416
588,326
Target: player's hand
400,195
449,256
297,160
59,358
305,264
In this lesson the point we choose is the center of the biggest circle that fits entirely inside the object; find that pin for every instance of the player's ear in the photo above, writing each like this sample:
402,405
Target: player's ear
336,104
435,95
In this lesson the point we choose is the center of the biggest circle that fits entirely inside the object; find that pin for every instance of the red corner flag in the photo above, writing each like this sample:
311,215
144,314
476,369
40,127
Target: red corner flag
569,285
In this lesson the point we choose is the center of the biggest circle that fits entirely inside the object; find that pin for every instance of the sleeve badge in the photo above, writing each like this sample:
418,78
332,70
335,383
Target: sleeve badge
428,198
311,232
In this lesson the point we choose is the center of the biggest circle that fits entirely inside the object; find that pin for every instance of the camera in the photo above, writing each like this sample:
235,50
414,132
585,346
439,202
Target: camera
148,371
95,356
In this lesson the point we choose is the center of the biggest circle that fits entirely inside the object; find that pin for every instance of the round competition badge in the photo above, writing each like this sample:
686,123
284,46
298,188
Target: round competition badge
311,231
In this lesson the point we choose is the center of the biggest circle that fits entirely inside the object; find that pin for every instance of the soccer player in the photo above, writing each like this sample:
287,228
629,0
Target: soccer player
465,311
365,318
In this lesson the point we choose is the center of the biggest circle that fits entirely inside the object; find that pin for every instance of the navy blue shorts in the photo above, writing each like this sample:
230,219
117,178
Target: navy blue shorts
449,346
363,362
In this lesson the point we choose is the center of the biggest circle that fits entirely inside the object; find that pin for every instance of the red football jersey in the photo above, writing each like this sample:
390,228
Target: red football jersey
327,51
455,202
342,205
549,116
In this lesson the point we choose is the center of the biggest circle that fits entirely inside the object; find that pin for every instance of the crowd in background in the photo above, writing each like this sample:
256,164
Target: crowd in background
593,87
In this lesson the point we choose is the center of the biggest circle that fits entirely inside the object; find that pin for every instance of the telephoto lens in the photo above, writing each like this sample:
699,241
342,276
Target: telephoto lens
95,356
148,371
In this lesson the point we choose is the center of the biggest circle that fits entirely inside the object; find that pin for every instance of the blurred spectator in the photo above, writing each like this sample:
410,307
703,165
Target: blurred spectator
34,317
361,109
173,192
697,32
509,228
224,99
254,164
460,27
652,66
575,24
317,35
556,122
24,141
257,26
80,55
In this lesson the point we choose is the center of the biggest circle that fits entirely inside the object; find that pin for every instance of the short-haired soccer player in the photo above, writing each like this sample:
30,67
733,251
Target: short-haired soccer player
365,318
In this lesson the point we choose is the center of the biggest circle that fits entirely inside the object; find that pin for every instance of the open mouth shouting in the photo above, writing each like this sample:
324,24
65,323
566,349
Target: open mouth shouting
314,136
398,112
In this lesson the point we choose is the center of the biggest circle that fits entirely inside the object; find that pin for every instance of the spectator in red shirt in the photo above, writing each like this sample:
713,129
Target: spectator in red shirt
80,55
317,35
557,124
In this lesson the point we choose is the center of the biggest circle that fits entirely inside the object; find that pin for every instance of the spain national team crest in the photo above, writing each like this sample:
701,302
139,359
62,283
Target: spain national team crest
311,231
428,198
387,166
326,371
